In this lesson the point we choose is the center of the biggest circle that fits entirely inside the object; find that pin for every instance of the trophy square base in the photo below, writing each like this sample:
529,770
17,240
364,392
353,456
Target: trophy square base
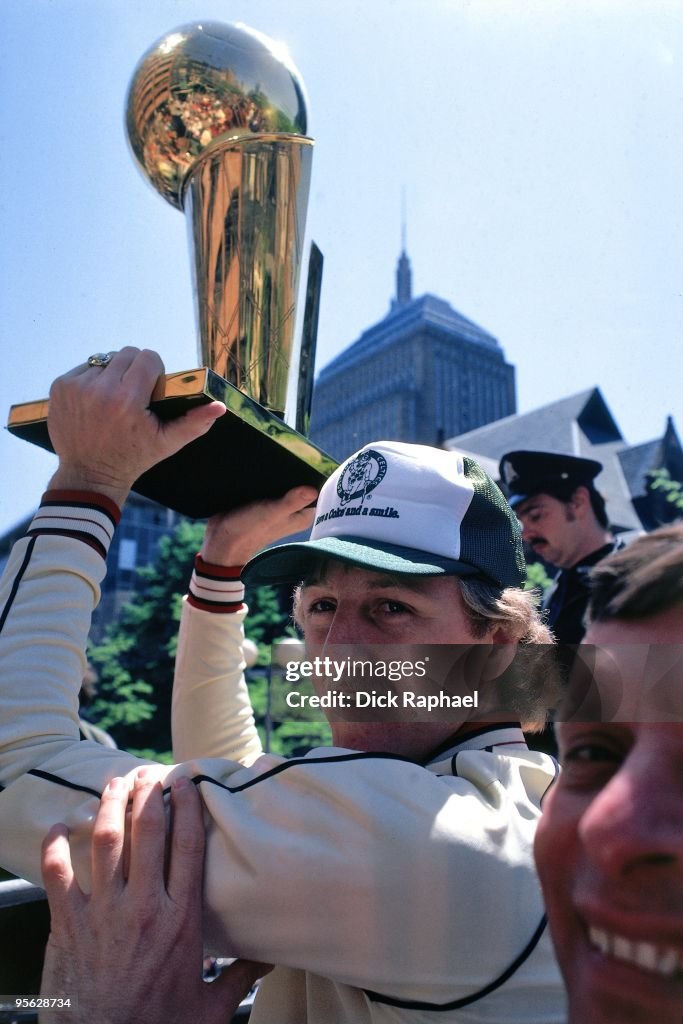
248,454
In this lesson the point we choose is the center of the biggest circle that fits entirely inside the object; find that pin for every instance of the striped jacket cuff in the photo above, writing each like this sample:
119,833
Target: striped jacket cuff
216,588
88,517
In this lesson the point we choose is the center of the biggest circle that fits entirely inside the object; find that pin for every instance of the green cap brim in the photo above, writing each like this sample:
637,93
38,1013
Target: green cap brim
291,563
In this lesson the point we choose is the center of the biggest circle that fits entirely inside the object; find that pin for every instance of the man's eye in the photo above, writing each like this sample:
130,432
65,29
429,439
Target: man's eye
320,607
590,765
395,608
588,753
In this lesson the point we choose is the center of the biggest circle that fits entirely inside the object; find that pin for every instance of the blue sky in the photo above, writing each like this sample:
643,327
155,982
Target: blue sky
537,142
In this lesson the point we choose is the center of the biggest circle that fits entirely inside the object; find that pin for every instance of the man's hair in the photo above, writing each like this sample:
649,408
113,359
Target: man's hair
512,609
532,685
643,579
599,508
565,493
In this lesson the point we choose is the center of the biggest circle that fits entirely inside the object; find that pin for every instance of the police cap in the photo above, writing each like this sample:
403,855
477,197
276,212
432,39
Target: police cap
525,473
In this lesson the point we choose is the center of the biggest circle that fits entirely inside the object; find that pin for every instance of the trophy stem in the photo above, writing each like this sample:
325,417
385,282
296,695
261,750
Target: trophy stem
246,207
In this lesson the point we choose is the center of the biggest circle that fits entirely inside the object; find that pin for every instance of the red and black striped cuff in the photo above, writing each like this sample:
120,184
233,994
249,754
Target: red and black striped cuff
85,516
216,588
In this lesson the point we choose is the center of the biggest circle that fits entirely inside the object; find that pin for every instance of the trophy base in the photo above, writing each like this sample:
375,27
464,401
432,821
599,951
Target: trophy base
248,454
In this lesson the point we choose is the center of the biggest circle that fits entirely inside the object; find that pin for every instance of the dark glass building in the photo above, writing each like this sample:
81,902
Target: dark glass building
423,374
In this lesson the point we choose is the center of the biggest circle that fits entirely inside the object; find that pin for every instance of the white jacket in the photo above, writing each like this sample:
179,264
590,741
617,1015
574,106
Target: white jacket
384,890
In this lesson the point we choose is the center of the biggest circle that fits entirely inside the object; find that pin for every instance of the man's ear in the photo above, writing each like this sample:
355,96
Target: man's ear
580,501
501,655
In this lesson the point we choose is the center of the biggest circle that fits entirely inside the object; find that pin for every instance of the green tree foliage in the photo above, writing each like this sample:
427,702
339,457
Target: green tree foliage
671,493
134,662
537,577
294,738
269,617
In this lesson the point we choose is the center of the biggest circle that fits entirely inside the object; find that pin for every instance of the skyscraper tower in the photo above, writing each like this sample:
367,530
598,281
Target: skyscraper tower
404,275
423,374
404,281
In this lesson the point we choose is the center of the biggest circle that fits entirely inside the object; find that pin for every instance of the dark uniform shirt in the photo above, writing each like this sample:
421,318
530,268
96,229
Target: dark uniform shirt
566,600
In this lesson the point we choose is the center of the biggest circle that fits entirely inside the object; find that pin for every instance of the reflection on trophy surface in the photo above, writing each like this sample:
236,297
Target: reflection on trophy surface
216,118
217,122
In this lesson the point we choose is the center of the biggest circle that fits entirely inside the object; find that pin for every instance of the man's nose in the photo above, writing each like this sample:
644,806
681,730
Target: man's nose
528,532
635,828
346,627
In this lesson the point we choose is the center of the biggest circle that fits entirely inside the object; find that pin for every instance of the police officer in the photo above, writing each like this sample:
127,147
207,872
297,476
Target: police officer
563,522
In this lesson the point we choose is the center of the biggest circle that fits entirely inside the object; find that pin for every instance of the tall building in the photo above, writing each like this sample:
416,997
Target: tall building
423,374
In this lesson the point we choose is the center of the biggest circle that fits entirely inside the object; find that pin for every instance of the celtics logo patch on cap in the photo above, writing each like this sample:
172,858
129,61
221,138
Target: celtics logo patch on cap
361,475
436,512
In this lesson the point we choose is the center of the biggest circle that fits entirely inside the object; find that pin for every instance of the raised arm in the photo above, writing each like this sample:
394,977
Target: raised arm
105,437
211,711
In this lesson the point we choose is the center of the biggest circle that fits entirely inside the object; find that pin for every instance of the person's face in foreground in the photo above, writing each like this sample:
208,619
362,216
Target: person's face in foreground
609,850
353,606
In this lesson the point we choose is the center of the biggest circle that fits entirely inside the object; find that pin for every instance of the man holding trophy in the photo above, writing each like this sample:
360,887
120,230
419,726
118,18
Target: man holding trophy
216,119
389,875
387,878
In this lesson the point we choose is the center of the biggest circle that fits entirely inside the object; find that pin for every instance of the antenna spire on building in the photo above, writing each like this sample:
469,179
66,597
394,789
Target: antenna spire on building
404,275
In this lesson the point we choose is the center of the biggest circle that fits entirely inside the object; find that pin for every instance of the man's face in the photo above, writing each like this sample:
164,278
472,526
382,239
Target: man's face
609,850
550,528
354,606
350,605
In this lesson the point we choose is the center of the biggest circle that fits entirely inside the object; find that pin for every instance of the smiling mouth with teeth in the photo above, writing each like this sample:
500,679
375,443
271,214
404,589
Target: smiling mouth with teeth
663,960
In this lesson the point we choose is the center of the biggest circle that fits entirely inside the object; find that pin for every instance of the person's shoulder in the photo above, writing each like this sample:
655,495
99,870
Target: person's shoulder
524,775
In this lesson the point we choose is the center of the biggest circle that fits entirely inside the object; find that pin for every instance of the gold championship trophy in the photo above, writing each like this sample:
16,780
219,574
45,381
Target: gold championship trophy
216,119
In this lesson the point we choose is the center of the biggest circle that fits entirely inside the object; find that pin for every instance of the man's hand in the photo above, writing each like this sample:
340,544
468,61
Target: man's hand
233,537
132,950
103,430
